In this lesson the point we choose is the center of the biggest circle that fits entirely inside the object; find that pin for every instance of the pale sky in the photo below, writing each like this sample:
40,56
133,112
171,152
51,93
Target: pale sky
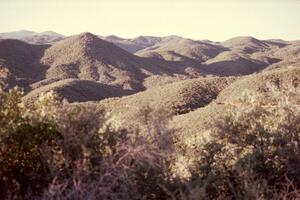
198,19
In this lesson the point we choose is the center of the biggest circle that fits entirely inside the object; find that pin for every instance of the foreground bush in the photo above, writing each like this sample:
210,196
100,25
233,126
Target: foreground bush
133,163
23,144
54,150
254,152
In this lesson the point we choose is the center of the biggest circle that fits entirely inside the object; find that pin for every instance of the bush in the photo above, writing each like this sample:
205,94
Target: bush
135,168
254,151
24,142
48,141
56,150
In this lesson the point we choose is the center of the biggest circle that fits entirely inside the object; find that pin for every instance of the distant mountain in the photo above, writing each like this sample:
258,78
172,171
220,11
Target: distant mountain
133,45
33,37
18,35
44,38
175,48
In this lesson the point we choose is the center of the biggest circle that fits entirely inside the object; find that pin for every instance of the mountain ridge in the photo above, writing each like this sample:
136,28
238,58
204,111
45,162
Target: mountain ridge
161,61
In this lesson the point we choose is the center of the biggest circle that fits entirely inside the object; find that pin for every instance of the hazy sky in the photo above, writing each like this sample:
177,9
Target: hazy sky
197,19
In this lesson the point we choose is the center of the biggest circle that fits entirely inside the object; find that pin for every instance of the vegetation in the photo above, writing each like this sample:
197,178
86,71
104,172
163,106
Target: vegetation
253,152
55,150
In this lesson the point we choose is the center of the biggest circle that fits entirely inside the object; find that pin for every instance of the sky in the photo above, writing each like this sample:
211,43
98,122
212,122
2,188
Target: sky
216,20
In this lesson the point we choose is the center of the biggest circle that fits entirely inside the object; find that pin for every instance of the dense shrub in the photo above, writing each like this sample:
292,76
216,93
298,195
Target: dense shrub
136,168
47,140
24,142
254,152
56,150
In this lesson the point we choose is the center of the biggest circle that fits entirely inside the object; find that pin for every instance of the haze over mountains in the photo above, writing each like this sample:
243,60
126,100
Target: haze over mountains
33,37
183,75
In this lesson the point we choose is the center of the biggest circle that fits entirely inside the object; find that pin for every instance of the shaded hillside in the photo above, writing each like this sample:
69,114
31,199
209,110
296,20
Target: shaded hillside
229,63
22,60
78,90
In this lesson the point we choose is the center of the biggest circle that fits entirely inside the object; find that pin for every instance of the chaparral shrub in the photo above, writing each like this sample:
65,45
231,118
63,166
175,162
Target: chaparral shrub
254,151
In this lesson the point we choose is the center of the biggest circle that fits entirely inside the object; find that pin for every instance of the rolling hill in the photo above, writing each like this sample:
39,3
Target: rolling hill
74,90
201,118
153,66
178,98
175,48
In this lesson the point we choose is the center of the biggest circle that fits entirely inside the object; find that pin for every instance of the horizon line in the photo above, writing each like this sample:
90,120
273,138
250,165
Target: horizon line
145,35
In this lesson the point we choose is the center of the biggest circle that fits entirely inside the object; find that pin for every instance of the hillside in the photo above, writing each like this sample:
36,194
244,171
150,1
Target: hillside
202,117
178,98
22,60
77,90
